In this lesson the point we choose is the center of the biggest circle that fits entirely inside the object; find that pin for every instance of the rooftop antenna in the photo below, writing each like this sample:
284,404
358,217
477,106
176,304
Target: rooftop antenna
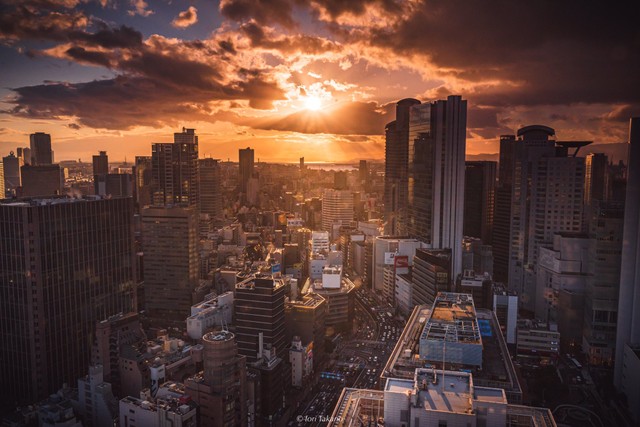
444,353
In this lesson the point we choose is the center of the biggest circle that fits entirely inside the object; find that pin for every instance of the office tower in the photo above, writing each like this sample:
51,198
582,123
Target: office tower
363,172
601,294
41,153
25,154
337,209
65,264
210,188
431,274
437,139
221,389
628,334
546,198
101,164
501,230
479,199
301,164
175,170
245,168
259,308
142,181
169,242
396,168
12,165
43,180
595,178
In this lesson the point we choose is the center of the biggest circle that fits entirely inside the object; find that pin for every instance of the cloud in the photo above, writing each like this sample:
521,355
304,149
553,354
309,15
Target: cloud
186,18
140,7
345,118
262,11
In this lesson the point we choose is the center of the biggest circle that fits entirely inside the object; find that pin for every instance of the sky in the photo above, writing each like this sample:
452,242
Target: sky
312,78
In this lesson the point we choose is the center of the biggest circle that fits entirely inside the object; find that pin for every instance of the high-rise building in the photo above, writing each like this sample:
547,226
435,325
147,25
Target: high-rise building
175,170
337,209
142,181
101,164
169,242
437,140
628,333
385,249
479,199
210,188
501,229
396,163
246,157
259,309
64,265
42,180
595,178
12,165
305,318
41,153
221,389
431,274
601,294
25,154
546,198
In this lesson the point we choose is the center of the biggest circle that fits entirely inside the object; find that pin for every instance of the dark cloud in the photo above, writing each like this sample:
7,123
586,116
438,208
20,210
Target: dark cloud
285,43
74,126
24,23
262,11
186,18
347,118
80,54
126,101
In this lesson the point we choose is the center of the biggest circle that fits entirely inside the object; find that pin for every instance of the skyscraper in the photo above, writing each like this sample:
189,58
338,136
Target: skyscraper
101,164
437,140
396,168
175,170
210,188
41,153
595,178
501,229
142,181
169,242
2,186
245,168
546,198
628,334
64,264
479,199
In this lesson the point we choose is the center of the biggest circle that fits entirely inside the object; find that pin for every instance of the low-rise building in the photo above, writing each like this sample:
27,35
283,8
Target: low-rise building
537,340
214,311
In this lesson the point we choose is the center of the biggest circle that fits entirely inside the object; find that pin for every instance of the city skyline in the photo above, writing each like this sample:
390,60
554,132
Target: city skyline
313,79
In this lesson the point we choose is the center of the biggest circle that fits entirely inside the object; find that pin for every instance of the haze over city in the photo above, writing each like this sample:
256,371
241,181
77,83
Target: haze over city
307,78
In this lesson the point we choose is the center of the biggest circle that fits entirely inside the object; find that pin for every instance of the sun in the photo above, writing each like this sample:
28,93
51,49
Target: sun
313,103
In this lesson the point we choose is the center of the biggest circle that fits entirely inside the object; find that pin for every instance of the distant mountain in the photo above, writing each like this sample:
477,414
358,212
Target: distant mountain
486,157
616,151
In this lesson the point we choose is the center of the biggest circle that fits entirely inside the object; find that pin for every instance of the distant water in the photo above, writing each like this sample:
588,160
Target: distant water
330,167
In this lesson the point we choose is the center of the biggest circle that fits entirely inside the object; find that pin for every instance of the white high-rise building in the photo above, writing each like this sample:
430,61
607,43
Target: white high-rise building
437,140
337,208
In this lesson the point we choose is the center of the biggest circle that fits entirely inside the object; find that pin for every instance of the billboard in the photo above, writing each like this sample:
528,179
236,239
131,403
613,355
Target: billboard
401,264
388,258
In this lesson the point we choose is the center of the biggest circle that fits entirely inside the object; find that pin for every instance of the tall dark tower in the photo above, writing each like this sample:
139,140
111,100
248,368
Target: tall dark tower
210,188
479,199
41,153
502,211
396,168
628,334
64,265
246,160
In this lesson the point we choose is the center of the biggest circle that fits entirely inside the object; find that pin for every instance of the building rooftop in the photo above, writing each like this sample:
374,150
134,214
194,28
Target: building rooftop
49,200
452,318
497,368
310,300
218,336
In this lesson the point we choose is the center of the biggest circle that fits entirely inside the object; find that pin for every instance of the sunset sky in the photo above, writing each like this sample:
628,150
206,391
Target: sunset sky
312,78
